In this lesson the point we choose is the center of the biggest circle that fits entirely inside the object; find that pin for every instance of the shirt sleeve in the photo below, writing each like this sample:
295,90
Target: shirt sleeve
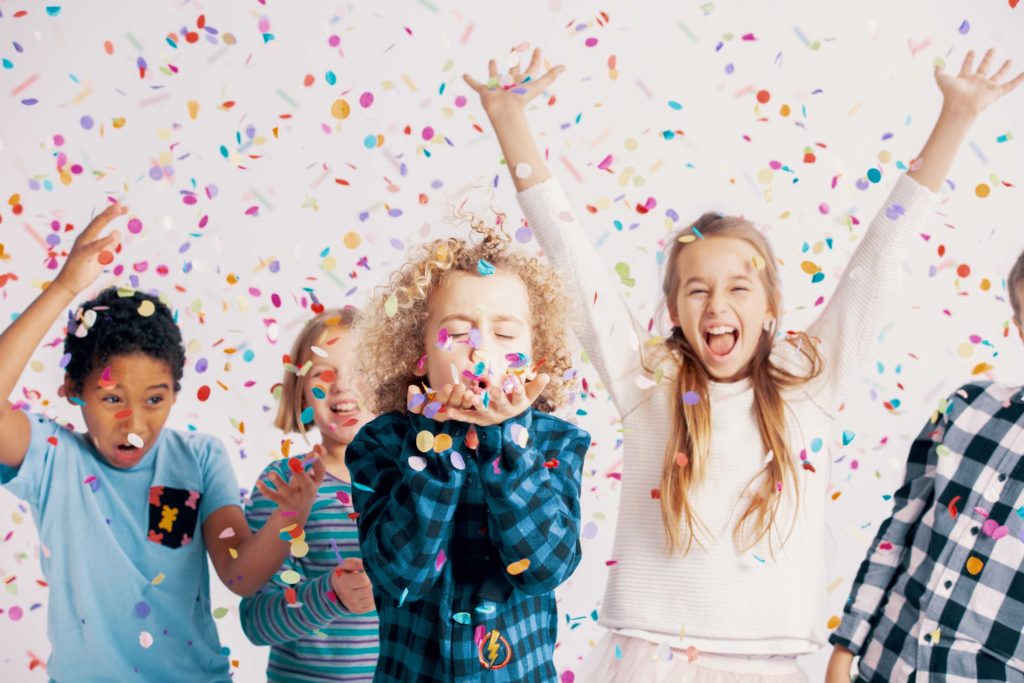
530,469
268,618
406,500
220,486
31,480
887,553
601,320
862,301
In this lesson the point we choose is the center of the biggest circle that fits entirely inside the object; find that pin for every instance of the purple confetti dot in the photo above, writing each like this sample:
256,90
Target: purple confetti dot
156,173
201,365
394,213
142,609
691,398
524,235
397,244
30,101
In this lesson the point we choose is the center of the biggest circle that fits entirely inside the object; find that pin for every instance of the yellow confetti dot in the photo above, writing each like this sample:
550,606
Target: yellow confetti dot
518,567
300,549
885,156
147,308
233,553
424,441
193,109
784,110
982,190
340,110
980,368
291,577
765,176
442,442
118,122
352,240
759,263
809,267
965,350
832,622
985,284
158,579
220,612
328,264
631,144
974,566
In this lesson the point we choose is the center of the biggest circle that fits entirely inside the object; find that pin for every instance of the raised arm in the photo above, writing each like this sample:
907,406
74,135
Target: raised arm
862,299
20,339
602,321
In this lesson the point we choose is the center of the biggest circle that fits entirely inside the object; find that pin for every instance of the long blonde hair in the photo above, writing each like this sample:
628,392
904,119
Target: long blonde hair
289,409
691,423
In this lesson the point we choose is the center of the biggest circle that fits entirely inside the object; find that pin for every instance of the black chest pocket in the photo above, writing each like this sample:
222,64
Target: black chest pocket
173,515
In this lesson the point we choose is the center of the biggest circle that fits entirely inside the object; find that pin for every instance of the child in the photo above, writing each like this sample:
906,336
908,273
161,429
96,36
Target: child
719,547
324,628
468,497
940,594
129,510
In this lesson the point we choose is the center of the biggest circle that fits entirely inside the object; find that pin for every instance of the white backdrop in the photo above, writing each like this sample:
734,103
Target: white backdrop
253,197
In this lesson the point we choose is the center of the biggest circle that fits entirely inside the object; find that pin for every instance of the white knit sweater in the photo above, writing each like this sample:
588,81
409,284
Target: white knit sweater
725,601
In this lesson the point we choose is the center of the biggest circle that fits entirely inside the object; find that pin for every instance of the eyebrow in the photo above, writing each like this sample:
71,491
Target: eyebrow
463,317
120,386
700,280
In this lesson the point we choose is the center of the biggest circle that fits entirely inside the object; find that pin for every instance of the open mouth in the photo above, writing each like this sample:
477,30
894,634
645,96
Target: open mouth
721,339
344,408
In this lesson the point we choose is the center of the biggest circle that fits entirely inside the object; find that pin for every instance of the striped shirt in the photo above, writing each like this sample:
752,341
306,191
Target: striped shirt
311,634
941,593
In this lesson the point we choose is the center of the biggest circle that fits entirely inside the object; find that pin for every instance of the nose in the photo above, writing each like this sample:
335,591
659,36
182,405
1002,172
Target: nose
716,302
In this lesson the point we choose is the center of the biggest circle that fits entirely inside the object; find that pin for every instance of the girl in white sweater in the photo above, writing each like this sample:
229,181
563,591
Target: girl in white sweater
719,546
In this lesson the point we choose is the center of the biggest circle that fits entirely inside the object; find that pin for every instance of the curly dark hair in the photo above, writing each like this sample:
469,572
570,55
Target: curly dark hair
123,324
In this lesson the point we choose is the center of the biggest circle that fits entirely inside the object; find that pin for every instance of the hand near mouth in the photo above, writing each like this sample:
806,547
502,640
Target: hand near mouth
463,404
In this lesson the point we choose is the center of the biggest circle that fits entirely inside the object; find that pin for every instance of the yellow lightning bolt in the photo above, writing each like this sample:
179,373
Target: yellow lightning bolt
492,647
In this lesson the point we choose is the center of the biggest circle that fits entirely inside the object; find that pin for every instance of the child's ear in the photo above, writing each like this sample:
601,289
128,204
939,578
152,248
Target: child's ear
67,390
673,315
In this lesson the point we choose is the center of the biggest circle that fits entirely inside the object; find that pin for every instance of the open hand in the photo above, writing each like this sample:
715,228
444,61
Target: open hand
972,90
91,253
516,89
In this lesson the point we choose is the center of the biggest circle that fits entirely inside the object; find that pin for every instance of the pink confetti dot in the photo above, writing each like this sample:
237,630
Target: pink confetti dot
15,613
334,41
823,208
58,140
460,101
428,133
135,226
590,42
366,99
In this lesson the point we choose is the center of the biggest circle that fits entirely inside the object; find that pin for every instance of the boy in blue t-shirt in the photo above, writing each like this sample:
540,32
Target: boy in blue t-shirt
130,510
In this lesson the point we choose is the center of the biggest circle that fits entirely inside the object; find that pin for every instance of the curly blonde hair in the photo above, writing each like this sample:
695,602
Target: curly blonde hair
393,326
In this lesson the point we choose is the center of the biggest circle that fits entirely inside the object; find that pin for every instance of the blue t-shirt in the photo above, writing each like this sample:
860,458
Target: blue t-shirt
126,562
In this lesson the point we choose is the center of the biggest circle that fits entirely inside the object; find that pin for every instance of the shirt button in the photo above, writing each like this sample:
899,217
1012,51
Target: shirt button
974,531
948,584
1002,476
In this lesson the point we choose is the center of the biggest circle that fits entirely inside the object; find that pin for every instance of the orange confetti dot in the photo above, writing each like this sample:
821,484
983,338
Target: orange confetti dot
974,566
763,96
105,258
982,190
108,47
963,270
518,567
308,80
833,622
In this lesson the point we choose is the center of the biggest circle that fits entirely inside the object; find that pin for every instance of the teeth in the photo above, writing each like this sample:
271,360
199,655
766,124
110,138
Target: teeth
721,329
345,407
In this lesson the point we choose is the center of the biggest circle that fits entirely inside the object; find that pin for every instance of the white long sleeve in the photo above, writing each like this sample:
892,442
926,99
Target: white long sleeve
723,601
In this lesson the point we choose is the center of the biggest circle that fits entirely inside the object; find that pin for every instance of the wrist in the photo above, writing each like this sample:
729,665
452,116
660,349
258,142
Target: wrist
959,112
65,290
506,113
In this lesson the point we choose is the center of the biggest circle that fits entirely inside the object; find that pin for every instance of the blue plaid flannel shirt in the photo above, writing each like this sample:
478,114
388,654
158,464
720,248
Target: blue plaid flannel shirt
940,595
445,538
